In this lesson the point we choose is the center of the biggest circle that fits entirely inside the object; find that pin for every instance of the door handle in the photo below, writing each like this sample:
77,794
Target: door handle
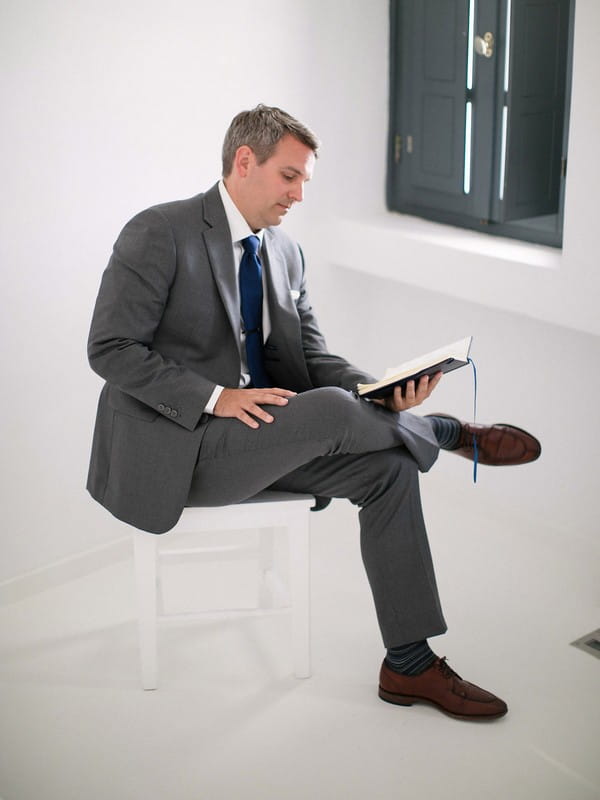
484,45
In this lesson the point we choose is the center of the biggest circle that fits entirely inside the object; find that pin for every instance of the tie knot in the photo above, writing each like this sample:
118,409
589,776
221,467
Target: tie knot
250,244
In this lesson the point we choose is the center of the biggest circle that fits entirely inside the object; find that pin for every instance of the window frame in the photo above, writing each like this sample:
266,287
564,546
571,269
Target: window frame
546,230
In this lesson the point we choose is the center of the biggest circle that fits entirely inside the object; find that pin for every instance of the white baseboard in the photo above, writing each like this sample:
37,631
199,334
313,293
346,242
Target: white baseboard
67,569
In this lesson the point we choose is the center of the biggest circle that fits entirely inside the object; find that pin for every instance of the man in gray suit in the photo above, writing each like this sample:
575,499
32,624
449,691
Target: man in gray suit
202,407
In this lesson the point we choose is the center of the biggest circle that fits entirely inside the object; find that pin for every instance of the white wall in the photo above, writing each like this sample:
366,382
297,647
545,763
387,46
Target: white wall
111,106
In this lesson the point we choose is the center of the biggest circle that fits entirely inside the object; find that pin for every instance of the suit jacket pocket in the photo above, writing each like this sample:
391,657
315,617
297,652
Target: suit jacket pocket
271,352
126,404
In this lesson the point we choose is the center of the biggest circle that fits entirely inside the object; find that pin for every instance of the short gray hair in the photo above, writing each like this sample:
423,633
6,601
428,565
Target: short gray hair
261,129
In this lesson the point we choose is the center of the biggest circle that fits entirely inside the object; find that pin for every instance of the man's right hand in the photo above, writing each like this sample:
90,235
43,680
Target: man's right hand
246,404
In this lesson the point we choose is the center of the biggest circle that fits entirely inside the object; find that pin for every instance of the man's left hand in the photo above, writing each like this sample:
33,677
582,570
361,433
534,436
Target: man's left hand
412,395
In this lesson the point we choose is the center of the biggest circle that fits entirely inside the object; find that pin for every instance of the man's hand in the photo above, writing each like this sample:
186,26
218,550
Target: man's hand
245,404
413,396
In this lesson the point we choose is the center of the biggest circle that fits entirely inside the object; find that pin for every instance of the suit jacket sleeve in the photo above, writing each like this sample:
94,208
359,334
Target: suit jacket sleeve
324,368
127,318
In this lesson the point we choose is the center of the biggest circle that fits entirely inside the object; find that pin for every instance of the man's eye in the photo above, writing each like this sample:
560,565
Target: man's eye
289,177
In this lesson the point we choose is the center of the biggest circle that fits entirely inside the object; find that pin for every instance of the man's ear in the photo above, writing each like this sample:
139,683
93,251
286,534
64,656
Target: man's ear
244,160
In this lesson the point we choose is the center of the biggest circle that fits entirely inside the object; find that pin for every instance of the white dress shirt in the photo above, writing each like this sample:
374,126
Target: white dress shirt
240,230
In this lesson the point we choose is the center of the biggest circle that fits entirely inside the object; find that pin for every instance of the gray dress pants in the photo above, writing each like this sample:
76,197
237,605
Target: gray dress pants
330,443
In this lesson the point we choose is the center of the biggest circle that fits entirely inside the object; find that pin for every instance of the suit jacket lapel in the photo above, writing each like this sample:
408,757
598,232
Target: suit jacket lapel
286,360
220,253
281,304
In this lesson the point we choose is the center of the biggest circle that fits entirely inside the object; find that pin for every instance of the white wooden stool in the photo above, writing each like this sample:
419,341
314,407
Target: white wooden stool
265,512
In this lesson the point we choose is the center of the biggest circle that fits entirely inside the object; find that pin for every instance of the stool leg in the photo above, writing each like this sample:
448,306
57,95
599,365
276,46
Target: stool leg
145,561
265,568
299,547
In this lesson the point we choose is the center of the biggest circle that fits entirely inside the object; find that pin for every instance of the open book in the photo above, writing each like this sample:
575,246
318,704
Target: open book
445,359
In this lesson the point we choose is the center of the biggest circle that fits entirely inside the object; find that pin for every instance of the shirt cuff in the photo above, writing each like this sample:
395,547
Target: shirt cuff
209,408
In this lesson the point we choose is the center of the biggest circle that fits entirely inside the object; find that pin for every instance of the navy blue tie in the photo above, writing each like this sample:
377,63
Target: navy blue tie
251,294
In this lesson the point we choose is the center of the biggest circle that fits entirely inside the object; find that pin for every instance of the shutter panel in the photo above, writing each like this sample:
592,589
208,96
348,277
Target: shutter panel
536,107
429,100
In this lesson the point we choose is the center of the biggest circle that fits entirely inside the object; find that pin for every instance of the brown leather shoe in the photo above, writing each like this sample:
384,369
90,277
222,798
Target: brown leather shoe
499,445
440,686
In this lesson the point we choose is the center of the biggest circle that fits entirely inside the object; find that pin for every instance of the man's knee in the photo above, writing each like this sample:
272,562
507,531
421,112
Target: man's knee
331,396
331,403
343,422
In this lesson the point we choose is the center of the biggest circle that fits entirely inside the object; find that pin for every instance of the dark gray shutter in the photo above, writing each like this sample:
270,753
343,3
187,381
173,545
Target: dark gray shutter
428,97
536,108
428,139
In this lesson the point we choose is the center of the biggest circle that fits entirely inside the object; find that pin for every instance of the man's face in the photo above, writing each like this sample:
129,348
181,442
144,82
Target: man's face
267,191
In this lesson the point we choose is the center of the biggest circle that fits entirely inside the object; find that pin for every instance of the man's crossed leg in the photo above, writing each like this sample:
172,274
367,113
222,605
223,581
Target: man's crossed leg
330,443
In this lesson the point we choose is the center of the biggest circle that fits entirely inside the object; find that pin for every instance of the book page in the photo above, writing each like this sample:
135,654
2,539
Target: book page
459,350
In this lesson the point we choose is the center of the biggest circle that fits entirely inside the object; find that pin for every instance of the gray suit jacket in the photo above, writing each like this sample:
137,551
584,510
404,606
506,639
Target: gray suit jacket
166,330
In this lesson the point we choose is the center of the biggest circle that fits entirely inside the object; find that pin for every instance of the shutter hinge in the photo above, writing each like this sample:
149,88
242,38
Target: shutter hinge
397,148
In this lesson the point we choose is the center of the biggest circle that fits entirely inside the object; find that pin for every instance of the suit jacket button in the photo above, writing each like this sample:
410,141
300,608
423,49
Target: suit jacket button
173,413
167,410
161,406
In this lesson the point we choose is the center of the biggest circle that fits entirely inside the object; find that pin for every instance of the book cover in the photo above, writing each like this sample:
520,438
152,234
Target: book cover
445,359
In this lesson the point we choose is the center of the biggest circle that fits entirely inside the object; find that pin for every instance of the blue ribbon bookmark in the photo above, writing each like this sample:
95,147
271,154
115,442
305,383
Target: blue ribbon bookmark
475,451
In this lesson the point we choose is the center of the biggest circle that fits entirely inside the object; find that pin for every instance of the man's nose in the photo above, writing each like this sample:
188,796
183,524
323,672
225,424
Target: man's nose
296,193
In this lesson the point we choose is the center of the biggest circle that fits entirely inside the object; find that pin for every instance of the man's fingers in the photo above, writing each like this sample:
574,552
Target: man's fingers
248,420
412,395
278,397
282,392
259,412
422,392
427,385
247,404
433,382
249,414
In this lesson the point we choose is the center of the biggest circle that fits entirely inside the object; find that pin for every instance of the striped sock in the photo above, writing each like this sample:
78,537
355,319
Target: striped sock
410,659
446,431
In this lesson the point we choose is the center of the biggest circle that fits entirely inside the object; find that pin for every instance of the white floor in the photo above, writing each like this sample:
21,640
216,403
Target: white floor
229,721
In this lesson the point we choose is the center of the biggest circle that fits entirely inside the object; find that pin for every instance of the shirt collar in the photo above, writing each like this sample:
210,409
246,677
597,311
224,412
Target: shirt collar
237,224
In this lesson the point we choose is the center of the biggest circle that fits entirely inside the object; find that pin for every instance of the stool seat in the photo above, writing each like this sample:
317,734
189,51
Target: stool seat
268,512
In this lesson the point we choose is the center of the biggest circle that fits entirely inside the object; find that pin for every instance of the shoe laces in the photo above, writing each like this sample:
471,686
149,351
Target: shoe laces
446,669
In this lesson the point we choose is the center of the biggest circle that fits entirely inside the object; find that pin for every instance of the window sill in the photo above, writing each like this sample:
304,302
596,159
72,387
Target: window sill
435,234
505,274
